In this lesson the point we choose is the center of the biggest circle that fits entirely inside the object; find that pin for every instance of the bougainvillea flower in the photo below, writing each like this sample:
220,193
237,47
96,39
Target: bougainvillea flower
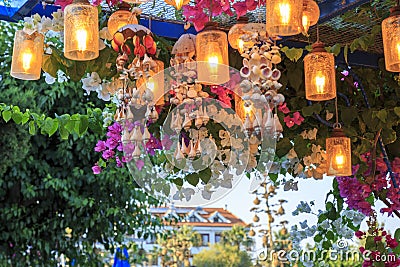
63,3
96,169
100,146
289,121
297,118
283,108
139,164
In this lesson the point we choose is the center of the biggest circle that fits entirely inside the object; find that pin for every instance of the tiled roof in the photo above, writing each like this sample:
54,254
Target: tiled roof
205,213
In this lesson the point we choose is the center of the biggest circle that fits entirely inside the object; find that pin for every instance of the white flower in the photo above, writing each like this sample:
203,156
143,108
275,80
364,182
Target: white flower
45,25
105,34
61,76
48,78
102,45
103,95
303,225
92,83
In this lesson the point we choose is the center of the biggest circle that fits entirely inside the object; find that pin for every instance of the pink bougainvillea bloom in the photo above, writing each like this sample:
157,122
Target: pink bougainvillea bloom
63,3
100,146
283,108
297,118
166,142
96,169
345,73
119,163
108,154
139,164
289,121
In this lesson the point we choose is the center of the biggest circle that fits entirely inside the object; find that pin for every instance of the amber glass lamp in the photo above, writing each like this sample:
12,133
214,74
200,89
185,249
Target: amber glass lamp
283,17
319,71
81,31
120,18
391,39
27,55
235,34
310,14
338,150
212,55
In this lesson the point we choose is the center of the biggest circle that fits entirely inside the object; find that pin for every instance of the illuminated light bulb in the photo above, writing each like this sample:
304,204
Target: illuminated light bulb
320,82
26,60
339,158
81,37
247,110
398,50
305,22
284,17
241,46
284,10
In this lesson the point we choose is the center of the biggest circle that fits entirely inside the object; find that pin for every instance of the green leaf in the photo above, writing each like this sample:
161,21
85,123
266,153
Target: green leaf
382,115
370,243
346,53
193,179
397,111
32,128
327,245
335,49
17,117
294,54
83,125
178,181
50,65
348,114
330,235
273,176
318,238
205,175
7,115
283,147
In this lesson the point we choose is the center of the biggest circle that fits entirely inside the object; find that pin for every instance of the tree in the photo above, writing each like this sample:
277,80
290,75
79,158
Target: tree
175,246
222,255
50,200
237,237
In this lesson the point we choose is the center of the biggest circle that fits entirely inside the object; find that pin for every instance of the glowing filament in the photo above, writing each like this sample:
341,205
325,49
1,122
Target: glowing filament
81,38
284,10
213,61
241,46
339,159
26,60
398,50
178,4
320,83
247,110
305,22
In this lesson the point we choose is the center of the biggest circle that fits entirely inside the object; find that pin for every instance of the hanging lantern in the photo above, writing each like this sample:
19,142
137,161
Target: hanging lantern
338,150
177,3
81,31
310,14
27,55
319,71
391,39
235,34
212,55
284,17
120,18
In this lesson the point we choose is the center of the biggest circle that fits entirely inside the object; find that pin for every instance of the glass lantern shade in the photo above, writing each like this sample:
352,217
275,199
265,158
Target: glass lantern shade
391,40
81,31
338,150
212,56
310,14
119,19
319,71
235,34
27,55
283,17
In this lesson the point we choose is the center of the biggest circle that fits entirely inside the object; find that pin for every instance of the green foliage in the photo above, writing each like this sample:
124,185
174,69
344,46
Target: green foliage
46,181
219,255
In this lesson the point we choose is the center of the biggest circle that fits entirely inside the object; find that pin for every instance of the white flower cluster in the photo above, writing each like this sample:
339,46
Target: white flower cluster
61,77
45,24
108,116
93,83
